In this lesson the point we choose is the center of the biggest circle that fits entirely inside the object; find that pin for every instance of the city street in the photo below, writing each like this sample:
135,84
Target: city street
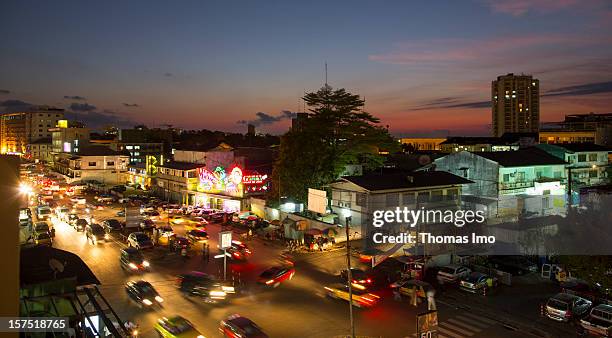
300,302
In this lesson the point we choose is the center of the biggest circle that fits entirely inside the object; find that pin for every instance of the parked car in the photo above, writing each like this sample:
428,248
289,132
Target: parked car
515,265
564,307
176,327
146,224
95,233
477,282
407,287
452,273
143,293
41,226
78,199
111,225
139,240
236,326
131,259
596,293
275,275
72,218
203,285
599,321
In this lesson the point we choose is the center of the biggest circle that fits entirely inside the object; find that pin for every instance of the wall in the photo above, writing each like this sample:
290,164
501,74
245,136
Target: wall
483,172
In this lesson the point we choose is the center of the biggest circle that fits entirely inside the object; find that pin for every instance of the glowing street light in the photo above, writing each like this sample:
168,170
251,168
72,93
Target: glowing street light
25,189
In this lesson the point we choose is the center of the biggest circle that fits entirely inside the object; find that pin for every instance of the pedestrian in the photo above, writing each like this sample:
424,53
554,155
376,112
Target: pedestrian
207,252
431,301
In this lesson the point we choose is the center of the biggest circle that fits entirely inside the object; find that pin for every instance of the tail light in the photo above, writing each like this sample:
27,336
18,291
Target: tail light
236,254
568,314
368,281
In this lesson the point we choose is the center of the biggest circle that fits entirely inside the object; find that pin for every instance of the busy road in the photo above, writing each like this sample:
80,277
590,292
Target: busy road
300,306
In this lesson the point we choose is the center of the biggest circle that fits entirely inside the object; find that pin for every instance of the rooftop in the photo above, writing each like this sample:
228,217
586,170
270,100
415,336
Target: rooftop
580,147
405,180
522,157
99,150
41,264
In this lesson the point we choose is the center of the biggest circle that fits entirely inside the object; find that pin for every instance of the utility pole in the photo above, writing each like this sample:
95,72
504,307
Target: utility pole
349,275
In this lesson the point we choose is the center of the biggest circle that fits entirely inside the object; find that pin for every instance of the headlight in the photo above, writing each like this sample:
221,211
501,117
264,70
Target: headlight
145,264
147,302
106,236
228,289
200,336
217,294
159,299
133,266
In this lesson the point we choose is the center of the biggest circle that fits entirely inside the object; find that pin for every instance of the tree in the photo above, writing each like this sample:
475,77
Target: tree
337,133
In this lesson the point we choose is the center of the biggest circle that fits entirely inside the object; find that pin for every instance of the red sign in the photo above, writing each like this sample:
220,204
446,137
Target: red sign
254,179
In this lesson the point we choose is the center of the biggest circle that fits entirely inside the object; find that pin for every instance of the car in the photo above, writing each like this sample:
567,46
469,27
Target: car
146,224
452,273
176,219
78,199
42,226
95,233
80,224
203,285
599,321
177,243
515,265
275,275
143,293
72,218
43,238
236,326
176,327
239,251
477,282
200,221
407,287
131,259
564,307
139,240
358,276
120,213
596,293
111,225
217,217
197,236
361,297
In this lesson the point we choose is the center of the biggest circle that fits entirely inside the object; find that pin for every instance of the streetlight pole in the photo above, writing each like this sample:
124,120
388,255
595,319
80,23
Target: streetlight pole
349,276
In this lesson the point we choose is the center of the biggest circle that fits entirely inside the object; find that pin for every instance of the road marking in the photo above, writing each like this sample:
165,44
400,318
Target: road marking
449,333
457,328
473,322
480,318
460,323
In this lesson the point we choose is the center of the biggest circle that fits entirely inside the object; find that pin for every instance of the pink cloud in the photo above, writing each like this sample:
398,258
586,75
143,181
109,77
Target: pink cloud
520,7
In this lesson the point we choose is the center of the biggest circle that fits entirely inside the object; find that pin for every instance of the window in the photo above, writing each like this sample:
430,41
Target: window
557,174
451,194
360,199
423,196
408,198
545,202
436,196
520,176
582,158
592,157
92,164
128,147
506,177
392,200
593,173
110,163
192,174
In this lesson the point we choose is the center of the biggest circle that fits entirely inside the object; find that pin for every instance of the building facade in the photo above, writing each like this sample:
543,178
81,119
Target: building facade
422,143
69,137
515,104
40,150
97,163
511,185
17,130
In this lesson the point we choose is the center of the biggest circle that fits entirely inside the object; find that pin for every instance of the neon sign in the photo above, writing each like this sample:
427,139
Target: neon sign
254,179
219,181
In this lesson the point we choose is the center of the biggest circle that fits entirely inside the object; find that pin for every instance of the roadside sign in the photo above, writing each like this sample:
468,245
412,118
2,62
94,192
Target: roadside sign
427,324
225,239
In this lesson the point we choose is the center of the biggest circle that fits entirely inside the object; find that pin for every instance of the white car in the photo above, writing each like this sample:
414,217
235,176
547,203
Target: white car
452,273
78,200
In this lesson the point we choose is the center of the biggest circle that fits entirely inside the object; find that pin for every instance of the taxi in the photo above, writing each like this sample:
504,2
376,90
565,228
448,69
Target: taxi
176,327
361,297
406,287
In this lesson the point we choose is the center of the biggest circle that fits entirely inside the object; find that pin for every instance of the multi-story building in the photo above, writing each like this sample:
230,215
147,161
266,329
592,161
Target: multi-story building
355,198
511,184
147,138
587,163
93,162
567,136
579,128
40,150
174,179
69,137
516,104
17,130
139,151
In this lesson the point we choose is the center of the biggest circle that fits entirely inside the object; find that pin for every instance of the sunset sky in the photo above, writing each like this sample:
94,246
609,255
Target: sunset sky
423,67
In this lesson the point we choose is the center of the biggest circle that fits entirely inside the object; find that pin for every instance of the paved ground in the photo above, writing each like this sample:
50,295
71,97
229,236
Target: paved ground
299,308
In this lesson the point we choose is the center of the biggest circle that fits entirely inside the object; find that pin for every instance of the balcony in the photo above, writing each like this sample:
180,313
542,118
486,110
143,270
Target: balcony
515,185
